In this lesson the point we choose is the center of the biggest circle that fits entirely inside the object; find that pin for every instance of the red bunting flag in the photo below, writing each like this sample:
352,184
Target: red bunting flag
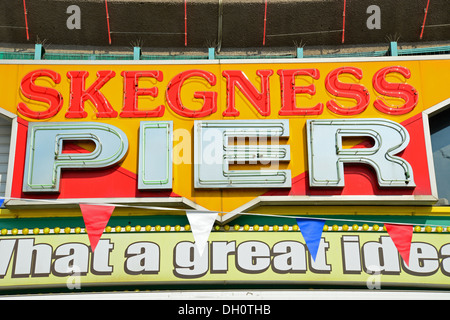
96,218
401,235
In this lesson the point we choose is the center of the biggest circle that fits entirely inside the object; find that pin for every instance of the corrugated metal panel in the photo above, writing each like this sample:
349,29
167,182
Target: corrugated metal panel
5,137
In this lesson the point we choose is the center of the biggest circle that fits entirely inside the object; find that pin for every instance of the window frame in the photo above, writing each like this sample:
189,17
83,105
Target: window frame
426,115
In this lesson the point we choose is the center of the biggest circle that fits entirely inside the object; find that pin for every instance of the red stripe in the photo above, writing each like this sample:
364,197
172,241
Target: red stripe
343,22
185,23
424,19
26,19
107,21
265,21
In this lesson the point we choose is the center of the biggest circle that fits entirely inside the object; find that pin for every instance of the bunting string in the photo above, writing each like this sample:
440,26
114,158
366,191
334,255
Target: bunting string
159,208
96,216
336,219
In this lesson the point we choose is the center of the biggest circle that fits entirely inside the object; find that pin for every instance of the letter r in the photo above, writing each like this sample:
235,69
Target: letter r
326,155
45,158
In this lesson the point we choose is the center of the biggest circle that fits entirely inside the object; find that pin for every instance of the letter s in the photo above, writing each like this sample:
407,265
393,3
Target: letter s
34,92
398,90
347,90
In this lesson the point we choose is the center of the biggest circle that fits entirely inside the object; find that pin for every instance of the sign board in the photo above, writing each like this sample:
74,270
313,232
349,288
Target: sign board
148,258
224,136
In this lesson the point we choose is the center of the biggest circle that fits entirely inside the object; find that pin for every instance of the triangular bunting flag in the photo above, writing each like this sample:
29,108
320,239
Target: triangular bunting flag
311,230
96,218
401,235
201,224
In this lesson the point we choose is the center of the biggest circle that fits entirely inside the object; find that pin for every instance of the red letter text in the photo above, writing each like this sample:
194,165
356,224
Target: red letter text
48,95
78,94
289,90
259,99
397,90
131,92
173,94
347,90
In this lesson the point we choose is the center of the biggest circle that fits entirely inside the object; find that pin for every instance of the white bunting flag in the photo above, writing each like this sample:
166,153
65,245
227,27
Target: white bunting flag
201,225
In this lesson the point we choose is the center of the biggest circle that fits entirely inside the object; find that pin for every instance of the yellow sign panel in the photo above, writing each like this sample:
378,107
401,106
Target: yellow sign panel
344,258
125,95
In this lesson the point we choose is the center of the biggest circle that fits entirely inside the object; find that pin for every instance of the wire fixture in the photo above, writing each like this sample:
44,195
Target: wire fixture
26,19
107,21
424,20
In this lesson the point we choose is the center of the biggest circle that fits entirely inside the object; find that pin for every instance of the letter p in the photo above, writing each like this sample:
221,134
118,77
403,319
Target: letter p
45,157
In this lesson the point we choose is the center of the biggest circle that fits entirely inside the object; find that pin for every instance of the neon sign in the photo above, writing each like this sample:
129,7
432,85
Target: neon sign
264,132
213,152
235,79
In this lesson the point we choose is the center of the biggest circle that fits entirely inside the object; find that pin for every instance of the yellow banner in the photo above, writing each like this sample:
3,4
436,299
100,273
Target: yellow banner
124,95
367,259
